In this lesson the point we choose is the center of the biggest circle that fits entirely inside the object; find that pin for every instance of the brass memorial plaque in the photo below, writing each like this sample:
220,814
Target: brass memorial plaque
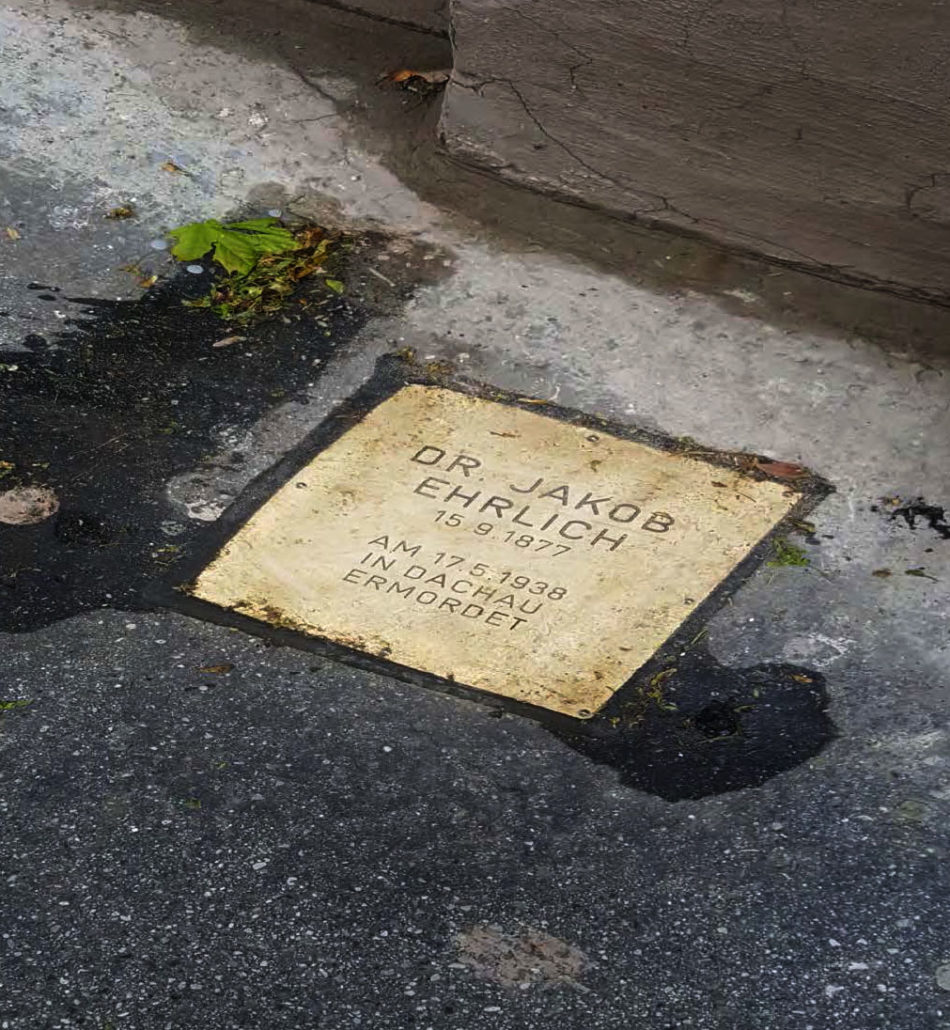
497,547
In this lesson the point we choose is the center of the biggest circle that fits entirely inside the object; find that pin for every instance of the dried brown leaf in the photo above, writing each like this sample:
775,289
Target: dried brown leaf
435,78
781,469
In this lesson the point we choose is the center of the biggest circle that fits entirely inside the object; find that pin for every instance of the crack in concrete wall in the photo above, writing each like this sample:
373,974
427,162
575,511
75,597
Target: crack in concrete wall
781,129
429,16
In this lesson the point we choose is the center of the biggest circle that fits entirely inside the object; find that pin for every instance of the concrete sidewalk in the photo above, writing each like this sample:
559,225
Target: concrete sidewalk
285,841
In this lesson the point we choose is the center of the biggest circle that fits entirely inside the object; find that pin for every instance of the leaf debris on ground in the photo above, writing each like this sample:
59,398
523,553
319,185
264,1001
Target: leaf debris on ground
780,469
142,278
418,81
266,264
236,246
787,553
168,554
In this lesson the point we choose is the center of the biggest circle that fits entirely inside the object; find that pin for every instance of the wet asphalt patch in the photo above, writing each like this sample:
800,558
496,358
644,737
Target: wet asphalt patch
696,727
113,408
919,514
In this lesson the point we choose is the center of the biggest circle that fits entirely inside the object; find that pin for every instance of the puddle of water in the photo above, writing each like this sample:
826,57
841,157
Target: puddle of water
920,514
103,416
693,727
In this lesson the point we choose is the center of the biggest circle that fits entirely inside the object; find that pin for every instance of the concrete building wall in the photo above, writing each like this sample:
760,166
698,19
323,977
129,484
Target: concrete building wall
813,131
431,15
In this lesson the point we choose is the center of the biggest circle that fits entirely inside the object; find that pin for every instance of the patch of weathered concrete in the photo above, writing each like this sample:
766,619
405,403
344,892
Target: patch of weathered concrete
719,120
341,58
109,391
26,505
90,125
521,959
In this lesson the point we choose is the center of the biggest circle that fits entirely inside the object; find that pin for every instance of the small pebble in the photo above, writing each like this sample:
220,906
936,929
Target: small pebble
943,976
195,269
159,244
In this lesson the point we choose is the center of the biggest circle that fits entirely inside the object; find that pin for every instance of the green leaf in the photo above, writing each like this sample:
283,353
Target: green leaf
787,554
264,264
237,245
254,224
267,235
195,239
276,242
320,249
235,252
